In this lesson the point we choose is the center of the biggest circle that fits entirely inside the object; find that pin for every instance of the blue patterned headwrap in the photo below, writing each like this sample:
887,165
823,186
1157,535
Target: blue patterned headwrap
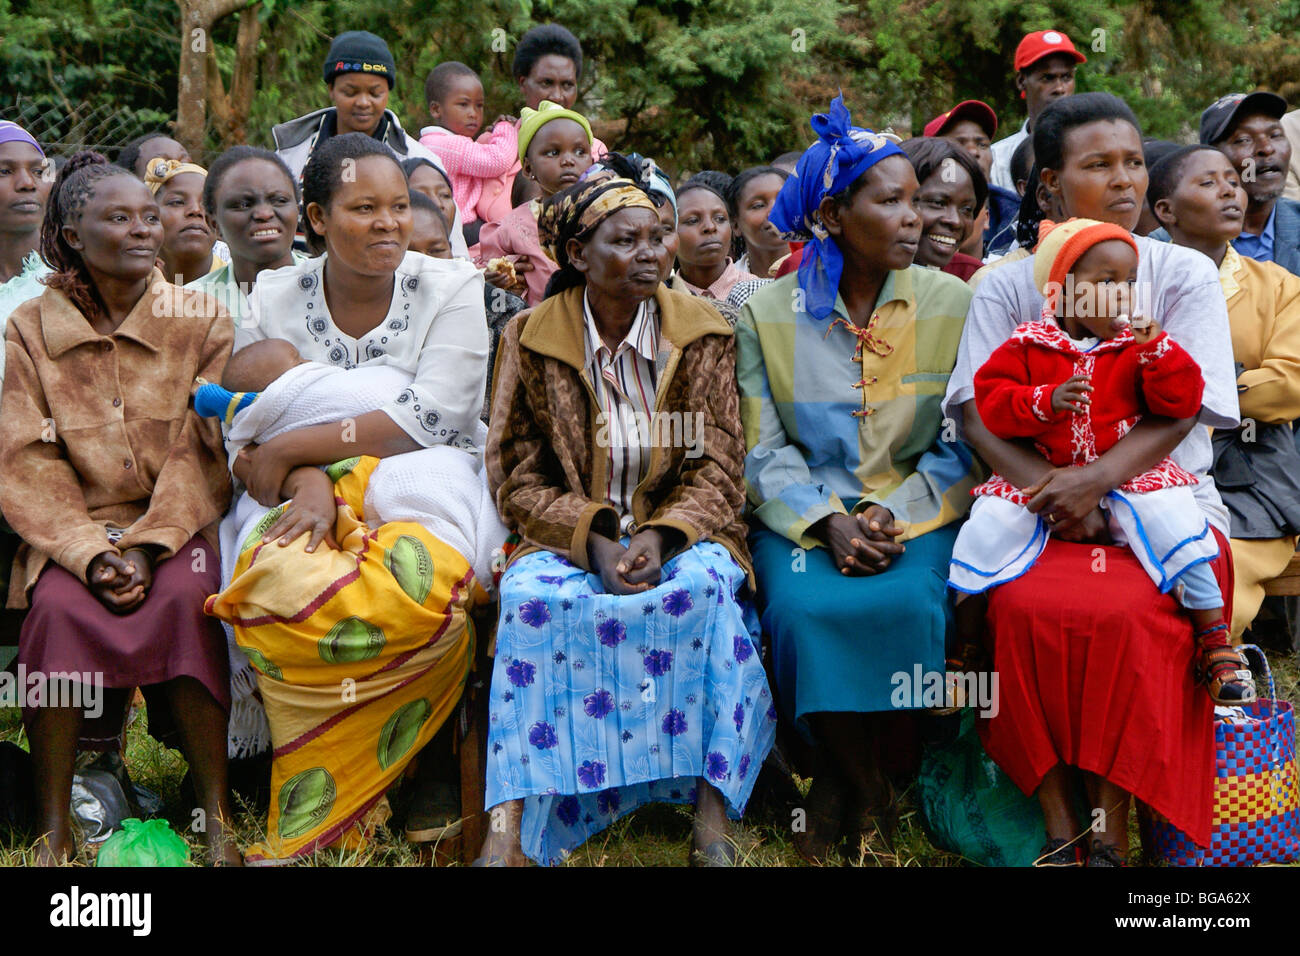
842,153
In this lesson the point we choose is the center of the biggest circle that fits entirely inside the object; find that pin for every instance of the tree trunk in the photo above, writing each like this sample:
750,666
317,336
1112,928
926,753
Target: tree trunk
197,18
243,79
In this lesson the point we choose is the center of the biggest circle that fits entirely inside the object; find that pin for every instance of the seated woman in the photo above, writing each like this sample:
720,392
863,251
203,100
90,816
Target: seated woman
858,495
1196,195
428,180
950,197
186,252
395,626
118,507
1102,686
253,199
750,196
627,665
359,73
704,267
755,243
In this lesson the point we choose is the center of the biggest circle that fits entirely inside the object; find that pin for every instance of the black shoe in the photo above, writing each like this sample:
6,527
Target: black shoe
1060,853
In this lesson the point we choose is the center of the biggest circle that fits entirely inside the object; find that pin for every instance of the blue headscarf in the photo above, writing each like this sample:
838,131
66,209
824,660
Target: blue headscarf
829,166
641,170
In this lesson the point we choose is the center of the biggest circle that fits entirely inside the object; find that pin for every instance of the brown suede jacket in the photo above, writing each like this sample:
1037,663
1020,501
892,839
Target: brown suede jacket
542,456
97,431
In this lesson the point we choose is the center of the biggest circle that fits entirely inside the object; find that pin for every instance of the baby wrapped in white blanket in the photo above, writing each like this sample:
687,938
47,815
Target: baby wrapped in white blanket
442,488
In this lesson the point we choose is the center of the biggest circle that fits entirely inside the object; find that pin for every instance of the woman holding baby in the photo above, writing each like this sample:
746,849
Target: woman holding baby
361,646
1097,665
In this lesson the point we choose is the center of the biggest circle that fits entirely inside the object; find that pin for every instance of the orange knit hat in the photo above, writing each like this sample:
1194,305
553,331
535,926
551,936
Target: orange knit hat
1061,245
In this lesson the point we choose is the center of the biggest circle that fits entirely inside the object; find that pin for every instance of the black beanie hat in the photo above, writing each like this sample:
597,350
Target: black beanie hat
360,52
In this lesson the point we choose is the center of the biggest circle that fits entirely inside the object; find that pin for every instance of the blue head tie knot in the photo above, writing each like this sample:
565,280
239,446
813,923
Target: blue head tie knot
841,154
213,401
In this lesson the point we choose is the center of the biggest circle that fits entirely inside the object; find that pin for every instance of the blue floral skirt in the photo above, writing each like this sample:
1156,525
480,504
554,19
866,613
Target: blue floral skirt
601,703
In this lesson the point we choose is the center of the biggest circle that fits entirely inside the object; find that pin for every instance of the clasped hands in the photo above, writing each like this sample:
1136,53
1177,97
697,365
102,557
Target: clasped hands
863,543
633,569
121,581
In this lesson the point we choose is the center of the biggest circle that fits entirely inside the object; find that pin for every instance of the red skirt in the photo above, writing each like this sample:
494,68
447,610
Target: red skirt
1095,671
168,636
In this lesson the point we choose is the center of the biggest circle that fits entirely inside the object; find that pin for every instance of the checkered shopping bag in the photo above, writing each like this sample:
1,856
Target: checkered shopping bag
1256,792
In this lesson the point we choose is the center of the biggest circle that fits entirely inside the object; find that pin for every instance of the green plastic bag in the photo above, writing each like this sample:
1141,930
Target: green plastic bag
144,843
971,807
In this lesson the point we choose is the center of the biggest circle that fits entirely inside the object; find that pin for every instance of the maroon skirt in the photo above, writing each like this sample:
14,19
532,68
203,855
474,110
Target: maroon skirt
1095,671
168,636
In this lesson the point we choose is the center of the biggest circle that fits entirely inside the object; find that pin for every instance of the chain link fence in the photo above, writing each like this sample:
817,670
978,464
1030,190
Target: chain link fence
63,129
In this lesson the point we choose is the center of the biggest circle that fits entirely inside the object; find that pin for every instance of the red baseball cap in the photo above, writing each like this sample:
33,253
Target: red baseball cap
978,112
1035,46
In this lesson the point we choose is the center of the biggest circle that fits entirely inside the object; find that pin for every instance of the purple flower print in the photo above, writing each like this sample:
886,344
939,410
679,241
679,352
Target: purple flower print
627,735
744,766
715,765
550,579
559,657
658,663
607,802
741,647
696,644
738,716
611,631
771,712
674,723
647,609
678,602
591,773
567,604
534,612
598,703
521,673
567,811
542,735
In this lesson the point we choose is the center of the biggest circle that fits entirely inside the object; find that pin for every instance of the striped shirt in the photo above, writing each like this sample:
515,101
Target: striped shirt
624,381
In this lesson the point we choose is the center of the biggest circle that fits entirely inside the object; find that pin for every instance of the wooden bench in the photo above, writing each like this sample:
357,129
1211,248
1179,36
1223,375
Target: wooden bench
1286,584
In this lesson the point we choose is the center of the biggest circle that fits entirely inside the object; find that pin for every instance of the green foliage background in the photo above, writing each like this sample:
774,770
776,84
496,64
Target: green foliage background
695,83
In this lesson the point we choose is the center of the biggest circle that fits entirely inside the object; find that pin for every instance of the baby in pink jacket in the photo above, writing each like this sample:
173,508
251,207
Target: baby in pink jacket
481,168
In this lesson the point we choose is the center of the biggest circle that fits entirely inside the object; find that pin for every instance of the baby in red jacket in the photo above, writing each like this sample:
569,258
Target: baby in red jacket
1075,382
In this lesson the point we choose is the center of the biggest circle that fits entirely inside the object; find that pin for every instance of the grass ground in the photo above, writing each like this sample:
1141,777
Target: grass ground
653,836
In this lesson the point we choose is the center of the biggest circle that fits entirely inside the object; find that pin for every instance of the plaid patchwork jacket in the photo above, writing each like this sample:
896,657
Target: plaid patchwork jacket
835,414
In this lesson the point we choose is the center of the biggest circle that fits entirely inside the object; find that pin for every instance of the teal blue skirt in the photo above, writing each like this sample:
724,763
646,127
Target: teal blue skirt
853,644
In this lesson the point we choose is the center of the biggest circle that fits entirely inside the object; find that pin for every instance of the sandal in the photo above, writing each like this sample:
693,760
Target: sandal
1060,853
1103,854
1224,672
